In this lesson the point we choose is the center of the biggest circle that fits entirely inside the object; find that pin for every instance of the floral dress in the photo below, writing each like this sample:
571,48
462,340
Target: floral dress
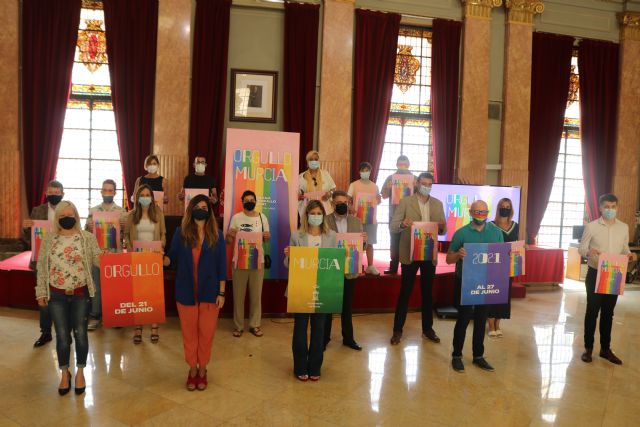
66,270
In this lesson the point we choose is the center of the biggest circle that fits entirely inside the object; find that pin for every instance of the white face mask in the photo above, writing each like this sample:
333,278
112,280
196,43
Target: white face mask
365,175
152,168
314,164
200,168
315,219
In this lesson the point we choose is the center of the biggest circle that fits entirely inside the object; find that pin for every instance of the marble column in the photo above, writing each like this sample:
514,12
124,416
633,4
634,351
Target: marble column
173,76
626,174
474,122
514,151
334,130
11,210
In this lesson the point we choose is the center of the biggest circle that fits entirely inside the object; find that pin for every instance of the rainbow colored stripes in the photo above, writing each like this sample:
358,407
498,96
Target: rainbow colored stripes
611,279
515,265
366,211
352,259
106,234
39,230
401,187
423,243
248,257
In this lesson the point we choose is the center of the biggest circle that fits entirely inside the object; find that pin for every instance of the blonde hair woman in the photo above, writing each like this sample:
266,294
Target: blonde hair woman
315,180
64,283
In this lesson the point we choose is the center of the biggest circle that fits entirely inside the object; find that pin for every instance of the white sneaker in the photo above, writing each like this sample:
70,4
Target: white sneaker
372,270
93,324
493,334
499,333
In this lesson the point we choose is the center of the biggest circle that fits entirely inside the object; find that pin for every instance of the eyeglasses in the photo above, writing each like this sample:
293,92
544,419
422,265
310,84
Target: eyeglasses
480,212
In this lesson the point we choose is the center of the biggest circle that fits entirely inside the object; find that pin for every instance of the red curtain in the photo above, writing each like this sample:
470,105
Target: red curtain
209,82
550,71
445,73
131,30
49,35
300,65
375,60
598,68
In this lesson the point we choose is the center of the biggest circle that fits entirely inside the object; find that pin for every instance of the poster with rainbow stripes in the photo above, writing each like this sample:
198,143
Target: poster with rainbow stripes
612,274
147,246
353,244
106,228
247,251
132,288
366,205
516,266
316,280
424,241
39,230
266,163
190,193
401,187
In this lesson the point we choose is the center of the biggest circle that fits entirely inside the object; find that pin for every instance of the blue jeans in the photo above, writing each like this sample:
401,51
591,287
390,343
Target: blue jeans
70,313
96,301
45,320
307,359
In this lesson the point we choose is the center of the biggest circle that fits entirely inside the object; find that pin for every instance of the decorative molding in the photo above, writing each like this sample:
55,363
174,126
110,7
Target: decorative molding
629,25
479,8
522,11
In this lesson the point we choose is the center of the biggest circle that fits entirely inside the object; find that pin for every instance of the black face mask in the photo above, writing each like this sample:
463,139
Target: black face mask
342,208
200,214
67,222
249,205
54,199
505,212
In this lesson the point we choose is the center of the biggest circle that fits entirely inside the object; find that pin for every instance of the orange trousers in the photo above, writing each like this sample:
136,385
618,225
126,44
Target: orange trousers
198,323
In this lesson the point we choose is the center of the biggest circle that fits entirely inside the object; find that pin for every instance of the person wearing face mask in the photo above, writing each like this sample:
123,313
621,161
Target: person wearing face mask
365,185
249,220
313,180
419,207
144,223
64,284
341,221
605,235
199,255
477,231
198,180
153,179
314,232
44,212
394,246
510,231
108,193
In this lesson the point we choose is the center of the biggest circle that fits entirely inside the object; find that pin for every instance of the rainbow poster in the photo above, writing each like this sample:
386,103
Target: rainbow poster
401,187
516,266
353,244
190,193
424,241
366,206
158,198
612,274
485,274
132,287
39,230
106,228
247,251
147,246
316,280
267,164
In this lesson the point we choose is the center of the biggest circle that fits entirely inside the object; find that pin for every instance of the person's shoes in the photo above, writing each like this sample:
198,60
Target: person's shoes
608,354
93,324
499,333
353,345
586,356
391,271
63,391
45,337
192,381
457,365
492,334
395,339
431,336
202,381
79,390
372,270
481,363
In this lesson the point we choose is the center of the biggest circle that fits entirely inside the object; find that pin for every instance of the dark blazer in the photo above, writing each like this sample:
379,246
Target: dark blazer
212,268
354,225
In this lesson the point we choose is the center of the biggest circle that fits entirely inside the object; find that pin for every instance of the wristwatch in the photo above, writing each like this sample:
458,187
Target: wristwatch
220,294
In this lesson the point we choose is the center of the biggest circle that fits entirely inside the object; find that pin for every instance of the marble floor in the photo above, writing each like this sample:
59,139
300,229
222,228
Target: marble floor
539,378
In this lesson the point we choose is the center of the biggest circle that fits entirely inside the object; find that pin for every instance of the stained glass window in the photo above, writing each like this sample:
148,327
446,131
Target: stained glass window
89,151
409,125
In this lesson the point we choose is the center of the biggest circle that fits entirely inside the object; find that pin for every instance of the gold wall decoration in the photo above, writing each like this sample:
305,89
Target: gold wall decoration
574,86
522,11
407,66
629,25
480,8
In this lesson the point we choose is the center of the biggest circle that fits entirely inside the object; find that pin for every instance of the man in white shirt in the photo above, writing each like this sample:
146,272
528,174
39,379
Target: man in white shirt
604,235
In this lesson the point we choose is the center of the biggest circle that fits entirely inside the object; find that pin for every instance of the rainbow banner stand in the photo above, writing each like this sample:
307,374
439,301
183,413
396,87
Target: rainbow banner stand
485,274
316,280
39,230
401,187
132,289
106,228
190,193
366,205
352,243
612,274
517,263
424,241
147,246
247,252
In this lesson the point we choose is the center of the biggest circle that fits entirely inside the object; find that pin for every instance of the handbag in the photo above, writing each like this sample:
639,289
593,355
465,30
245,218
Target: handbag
267,258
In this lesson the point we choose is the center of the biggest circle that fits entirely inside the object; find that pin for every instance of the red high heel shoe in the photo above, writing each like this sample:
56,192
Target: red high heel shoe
202,381
192,381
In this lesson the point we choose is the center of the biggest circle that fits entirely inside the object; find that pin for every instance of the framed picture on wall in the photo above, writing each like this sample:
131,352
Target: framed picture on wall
253,96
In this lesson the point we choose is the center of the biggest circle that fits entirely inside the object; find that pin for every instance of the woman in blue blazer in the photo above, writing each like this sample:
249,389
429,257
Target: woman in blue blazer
198,252
314,232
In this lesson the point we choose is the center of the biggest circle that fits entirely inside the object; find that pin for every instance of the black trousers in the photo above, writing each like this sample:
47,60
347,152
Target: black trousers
307,358
345,316
603,303
465,313
409,272
394,248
